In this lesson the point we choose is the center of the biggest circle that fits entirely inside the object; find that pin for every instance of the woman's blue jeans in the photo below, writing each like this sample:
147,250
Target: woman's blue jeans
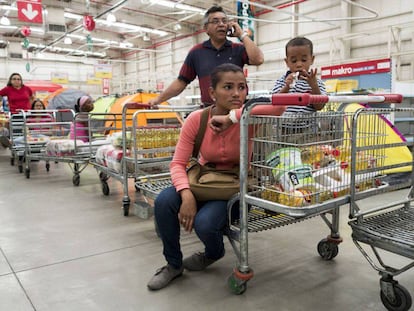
209,224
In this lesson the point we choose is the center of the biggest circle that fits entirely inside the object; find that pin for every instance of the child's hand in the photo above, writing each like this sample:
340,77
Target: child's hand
309,76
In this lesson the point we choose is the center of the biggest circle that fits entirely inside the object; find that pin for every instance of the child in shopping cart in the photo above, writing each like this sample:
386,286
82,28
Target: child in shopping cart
300,78
79,129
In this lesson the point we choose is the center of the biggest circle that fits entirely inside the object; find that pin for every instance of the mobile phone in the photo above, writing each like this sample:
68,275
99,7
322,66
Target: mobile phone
230,31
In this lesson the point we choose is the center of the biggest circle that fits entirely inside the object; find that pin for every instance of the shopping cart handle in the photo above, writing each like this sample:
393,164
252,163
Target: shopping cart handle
391,98
297,99
304,99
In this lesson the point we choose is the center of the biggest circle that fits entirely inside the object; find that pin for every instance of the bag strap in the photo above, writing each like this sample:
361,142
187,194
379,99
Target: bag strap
201,131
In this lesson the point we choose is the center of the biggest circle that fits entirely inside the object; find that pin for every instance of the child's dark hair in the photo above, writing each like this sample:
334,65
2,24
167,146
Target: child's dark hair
216,73
37,100
299,41
211,10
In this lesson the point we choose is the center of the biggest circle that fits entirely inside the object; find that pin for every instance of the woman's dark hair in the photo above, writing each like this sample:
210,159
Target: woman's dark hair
219,70
37,100
299,41
11,76
212,10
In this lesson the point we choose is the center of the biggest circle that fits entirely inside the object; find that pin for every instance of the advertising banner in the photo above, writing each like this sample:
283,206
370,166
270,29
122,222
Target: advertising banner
245,10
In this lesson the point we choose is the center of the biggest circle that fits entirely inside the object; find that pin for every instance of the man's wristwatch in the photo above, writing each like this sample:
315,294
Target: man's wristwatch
244,34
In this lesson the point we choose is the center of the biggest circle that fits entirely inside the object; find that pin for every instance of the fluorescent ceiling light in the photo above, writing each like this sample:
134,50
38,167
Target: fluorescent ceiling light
4,20
72,16
8,8
66,50
120,25
125,44
111,18
171,4
67,40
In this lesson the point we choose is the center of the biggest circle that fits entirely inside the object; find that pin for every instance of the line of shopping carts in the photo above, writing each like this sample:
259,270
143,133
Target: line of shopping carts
301,167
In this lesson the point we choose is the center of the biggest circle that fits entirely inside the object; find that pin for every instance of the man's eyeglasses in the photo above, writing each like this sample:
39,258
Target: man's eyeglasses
216,21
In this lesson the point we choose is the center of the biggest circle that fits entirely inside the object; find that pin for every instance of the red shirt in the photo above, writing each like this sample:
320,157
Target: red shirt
17,98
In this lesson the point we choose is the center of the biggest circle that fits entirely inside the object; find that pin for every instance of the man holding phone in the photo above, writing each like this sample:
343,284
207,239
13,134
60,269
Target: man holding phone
204,57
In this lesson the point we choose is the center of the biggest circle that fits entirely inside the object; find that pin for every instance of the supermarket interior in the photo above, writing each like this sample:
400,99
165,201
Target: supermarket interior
101,119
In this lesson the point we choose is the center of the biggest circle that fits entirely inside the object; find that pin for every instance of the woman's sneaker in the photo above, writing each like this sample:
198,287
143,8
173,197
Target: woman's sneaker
197,262
164,276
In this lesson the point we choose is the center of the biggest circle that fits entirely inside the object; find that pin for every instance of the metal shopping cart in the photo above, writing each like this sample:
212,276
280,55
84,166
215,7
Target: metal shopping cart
148,139
59,148
387,228
299,169
153,147
16,123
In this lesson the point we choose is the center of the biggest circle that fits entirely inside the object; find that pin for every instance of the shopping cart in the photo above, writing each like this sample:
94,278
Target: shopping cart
299,169
153,147
16,123
389,226
59,148
148,139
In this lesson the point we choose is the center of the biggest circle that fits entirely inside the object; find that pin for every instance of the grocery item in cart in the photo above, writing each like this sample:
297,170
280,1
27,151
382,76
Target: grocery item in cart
293,178
284,157
62,147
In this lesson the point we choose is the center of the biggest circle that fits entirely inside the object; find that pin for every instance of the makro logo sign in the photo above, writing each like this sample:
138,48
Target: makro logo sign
342,71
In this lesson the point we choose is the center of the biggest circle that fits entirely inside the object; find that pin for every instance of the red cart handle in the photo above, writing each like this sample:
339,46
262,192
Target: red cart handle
304,99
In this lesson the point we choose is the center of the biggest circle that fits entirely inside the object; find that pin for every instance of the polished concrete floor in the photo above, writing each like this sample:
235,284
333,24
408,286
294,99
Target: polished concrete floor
70,248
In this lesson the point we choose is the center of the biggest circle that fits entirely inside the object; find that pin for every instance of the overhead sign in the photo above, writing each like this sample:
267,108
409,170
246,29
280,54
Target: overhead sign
30,11
59,77
103,71
356,69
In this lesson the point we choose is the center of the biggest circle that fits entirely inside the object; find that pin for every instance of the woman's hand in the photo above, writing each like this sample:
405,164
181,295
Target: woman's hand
188,210
220,123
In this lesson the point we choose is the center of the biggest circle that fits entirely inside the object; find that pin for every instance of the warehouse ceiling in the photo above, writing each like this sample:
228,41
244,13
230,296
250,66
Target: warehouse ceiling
136,25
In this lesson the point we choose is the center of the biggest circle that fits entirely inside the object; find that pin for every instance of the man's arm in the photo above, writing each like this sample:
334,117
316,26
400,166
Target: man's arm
174,89
255,54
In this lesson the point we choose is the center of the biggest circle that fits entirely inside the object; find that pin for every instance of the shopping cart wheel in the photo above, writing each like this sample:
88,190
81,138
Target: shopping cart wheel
401,300
103,177
237,281
236,285
20,168
105,188
76,180
27,173
125,206
12,161
327,249
47,166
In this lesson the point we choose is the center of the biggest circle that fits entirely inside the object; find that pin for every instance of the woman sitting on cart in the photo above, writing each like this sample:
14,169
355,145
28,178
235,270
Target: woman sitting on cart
40,117
79,129
177,205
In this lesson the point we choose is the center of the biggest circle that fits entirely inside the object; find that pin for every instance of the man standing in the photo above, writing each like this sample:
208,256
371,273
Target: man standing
204,57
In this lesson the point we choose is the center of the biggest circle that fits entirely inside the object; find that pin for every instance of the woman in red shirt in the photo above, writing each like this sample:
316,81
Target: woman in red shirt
18,95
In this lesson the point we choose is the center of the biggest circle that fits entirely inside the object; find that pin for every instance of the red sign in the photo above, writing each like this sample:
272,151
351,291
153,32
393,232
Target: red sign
30,11
356,69
105,86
